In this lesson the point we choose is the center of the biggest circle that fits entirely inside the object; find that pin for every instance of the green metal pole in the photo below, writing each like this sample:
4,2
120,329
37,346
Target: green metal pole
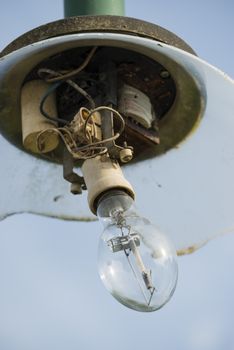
93,7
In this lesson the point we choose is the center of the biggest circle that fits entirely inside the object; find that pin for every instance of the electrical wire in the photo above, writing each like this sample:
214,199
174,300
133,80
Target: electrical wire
75,86
116,113
82,92
50,90
67,132
98,143
86,152
151,295
74,72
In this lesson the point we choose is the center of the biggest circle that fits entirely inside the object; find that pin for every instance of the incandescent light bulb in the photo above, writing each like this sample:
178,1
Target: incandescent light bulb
136,262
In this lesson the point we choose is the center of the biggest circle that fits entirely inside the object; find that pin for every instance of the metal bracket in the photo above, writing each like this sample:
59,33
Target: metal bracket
117,244
108,75
77,182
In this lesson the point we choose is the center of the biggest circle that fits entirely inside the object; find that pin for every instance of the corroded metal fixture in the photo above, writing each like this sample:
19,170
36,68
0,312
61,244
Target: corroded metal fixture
159,99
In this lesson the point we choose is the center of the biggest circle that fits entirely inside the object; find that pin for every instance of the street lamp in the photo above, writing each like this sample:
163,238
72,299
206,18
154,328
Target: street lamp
98,91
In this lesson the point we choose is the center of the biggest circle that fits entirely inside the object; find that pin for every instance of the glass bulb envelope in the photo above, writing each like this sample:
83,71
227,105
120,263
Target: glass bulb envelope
136,262
187,191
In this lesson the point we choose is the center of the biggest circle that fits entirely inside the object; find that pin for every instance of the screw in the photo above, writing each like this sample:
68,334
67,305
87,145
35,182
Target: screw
126,155
164,74
76,188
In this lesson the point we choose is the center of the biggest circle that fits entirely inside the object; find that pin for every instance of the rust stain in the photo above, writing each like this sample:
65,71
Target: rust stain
191,249
53,216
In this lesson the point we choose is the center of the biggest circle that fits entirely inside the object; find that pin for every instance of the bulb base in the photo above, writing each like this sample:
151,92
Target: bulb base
102,174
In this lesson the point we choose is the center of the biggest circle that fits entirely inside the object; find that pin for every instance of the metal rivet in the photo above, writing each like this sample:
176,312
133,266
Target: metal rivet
164,74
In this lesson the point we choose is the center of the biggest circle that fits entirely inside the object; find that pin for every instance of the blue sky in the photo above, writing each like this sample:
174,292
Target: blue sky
50,293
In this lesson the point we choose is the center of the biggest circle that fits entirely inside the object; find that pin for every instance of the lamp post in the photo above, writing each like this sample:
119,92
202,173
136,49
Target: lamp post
93,7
